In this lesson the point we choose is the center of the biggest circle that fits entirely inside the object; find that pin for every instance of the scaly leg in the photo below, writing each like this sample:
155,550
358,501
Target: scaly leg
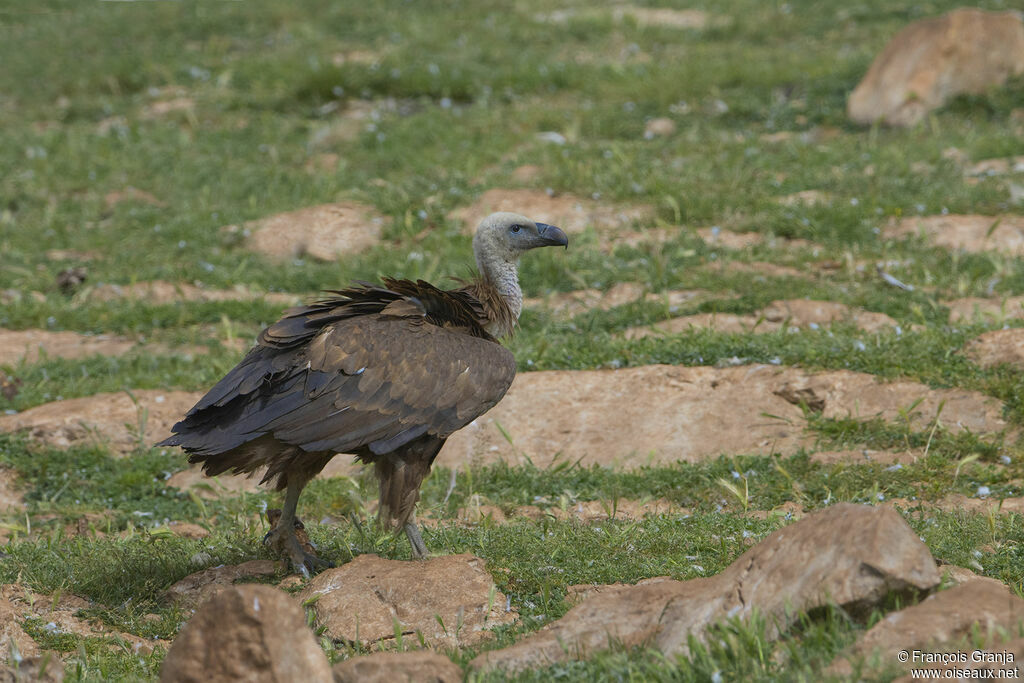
282,536
419,548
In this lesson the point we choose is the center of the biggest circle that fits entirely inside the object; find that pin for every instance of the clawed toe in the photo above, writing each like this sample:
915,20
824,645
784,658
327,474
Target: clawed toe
299,550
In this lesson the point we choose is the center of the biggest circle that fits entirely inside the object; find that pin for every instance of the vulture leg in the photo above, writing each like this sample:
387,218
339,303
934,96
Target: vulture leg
282,537
419,548
401,473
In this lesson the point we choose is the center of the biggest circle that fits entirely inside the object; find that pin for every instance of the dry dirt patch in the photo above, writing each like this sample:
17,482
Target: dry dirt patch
321,232
162,292
991,167
790,313
998,347
570,213
990,310
665,413
398,667
31,345
643,16
973,233
762,268
113,419
11,498
569,304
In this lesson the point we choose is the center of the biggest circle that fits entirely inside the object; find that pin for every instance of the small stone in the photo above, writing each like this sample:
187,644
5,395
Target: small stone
662,127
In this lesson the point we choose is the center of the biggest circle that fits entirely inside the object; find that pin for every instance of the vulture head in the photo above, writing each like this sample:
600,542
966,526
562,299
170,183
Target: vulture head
504,236
499,242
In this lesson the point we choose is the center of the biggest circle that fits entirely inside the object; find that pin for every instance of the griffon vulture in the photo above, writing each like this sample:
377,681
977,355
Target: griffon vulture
384,372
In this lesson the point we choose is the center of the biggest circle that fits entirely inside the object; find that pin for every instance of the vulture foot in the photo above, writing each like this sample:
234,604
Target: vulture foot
295,543
419,548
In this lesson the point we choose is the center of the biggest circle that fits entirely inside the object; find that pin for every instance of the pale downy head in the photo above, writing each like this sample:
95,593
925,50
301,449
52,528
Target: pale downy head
499,242
504,236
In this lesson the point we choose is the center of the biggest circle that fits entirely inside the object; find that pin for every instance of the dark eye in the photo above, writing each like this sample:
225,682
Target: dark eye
516,228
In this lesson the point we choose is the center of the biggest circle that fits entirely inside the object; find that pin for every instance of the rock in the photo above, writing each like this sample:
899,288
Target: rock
572,214
643,16
398,667
45,668
199,588
933,60
659,128
31,345
185,105
865,456
757,268
944,621
951,574
363,599
805,198
600,510
246,633
958,501
993,167
998,347
989,310
569,304
111,420
188,530
790,313
730,239
664,413
1004,234
322,232
849,555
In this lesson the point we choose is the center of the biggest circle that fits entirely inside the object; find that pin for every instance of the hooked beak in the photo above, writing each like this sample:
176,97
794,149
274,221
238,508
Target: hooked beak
551,236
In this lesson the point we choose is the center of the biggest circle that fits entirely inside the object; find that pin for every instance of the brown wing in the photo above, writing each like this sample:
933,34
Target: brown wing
374,381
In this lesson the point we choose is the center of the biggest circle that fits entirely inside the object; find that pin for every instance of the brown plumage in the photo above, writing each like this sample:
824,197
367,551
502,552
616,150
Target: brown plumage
384,372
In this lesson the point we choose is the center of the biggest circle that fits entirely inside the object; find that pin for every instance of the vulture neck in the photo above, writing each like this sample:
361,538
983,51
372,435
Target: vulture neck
498,290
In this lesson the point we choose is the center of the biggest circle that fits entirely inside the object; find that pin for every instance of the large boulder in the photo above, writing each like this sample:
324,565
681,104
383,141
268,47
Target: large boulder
849,555
933,60
250,632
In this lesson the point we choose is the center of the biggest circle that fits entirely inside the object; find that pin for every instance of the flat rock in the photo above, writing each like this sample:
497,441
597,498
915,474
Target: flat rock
642,16
110,419
665,413
730,239
760,268
973,308
973,233
569,304
849,555
951,574
865,456
163,292
805,198
945,620
322,232
789,313
130,194
998,347
364,599
30,345
572,214
995,167
246,633
601,510
199,588
398,667
958,501
932,60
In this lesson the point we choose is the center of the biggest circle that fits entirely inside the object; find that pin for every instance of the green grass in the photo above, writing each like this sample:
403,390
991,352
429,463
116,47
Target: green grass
463,91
